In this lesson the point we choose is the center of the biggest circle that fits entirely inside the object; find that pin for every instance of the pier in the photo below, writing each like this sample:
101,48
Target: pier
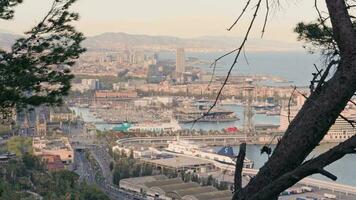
216,140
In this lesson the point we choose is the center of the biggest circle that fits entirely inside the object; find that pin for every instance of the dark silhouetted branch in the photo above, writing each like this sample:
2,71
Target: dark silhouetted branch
241,14
325,74
327,174
238,168
216,61
289,102
266,19
238,50
351,122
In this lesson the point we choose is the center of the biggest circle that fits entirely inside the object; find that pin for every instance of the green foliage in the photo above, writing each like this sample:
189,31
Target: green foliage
128,167
4,129
92,193
111,166
19,145
316,35
37,68
6,11
21,179
210,180
318,38
32,162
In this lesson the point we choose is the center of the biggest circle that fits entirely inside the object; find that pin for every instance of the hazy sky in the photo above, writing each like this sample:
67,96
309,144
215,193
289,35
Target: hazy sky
183,18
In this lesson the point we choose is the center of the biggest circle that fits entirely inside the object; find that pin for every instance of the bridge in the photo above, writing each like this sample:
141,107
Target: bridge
207,139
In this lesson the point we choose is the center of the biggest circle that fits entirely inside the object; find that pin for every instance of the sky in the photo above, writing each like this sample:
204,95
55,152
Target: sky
182,18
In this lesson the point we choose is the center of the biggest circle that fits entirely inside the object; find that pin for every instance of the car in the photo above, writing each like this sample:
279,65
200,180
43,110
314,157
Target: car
329,196
307,189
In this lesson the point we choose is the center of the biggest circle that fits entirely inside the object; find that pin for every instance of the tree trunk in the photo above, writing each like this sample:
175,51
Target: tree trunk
318,113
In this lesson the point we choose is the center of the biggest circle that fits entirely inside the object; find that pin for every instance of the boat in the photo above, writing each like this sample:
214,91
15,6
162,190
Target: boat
124,127
158,127
225,155
273,113
190,114
262,112
228,102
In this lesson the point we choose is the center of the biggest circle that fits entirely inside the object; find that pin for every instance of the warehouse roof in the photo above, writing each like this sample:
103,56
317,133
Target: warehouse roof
160,183
171,187
179,161
209,195
180,193
144,179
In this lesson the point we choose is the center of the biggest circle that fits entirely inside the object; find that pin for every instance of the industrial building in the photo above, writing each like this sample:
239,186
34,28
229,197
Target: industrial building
160,187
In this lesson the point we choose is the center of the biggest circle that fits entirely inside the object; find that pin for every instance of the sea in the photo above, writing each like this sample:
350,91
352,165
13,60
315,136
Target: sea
344,169
296,67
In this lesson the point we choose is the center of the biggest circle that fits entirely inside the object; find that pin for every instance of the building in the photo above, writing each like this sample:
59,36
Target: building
180,61
340,131
160,187
41,125
107,95
53,162
86,85
91,84
61,114
136,151
54,146
138,184
180,163
155,74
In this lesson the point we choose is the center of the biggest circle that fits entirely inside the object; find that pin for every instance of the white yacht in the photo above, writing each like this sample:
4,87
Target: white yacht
224,155
171,126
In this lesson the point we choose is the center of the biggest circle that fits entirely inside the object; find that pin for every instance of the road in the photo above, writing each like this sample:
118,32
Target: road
86,170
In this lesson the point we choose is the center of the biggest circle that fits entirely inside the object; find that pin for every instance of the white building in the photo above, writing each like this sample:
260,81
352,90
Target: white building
91,84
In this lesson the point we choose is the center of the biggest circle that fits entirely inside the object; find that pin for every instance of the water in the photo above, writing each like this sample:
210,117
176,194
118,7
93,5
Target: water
296,67
238,110
206,126
344,168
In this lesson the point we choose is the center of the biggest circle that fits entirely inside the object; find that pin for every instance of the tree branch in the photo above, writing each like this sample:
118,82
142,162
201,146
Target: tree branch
313,166
241,14
238,168
344,33
238,50
289,102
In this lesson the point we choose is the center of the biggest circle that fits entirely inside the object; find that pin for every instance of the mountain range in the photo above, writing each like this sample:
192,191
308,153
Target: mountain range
118,41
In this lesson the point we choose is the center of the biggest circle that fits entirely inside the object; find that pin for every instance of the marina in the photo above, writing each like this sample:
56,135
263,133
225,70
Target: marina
342,168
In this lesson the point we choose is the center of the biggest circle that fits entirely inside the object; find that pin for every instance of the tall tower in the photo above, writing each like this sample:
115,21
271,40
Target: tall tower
180,61
248,126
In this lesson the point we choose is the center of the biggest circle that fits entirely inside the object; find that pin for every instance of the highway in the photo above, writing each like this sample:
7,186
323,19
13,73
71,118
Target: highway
86,170
100,153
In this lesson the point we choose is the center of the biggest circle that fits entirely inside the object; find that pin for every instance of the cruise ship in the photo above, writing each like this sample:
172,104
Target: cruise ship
340,131
188,115
199,110
224,155
172,126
